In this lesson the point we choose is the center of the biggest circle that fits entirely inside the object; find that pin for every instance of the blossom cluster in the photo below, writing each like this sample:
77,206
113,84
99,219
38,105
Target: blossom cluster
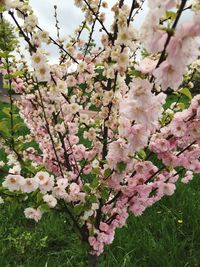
97,126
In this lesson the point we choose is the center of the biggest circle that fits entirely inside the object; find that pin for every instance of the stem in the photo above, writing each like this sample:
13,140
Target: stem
49,132
131,12
92,29
170,34
26,38
93,261
97,18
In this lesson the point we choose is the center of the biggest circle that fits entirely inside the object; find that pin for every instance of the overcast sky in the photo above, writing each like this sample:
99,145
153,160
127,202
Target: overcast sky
70,17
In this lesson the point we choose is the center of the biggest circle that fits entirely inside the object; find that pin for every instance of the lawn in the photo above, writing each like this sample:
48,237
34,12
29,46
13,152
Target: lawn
167,235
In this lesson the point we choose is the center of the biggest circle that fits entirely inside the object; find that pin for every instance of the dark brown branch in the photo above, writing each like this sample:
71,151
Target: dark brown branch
170,34
131,12
92,30
27,39
49,132
96,16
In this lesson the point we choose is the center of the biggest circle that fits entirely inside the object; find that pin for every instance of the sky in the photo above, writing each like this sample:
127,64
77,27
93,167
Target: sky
70,17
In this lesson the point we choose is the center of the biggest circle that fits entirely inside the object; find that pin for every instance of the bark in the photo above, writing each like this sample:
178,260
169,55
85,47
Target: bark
93,261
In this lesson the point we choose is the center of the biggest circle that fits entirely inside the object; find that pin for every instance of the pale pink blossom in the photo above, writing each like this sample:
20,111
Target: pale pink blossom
168,75
50,200
62,182
13,182
168,189
31,213
74,189
42,177
30,185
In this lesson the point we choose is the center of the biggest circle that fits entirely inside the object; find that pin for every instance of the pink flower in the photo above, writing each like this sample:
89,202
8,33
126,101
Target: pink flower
194,129
178,128
87,169
188,177
146,65
117,152
79,152
13,182
74,189
62,182
50,200
71,81
29,185
160,145
59,192
104,227
142,106
42,177
166,4
48,185
168,189
31,213
168,75
137,137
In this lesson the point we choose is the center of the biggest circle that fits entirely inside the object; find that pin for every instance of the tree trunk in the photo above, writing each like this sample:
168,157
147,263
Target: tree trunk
93,261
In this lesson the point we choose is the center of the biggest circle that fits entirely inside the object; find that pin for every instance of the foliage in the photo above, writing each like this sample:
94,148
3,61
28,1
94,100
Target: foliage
102,141
7,36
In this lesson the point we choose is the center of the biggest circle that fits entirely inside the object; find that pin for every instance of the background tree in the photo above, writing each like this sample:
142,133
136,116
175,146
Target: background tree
7,40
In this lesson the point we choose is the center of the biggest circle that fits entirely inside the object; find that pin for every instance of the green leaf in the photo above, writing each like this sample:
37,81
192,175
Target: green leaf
4,129
91,231
92,199
95,182
17,73
44,208
6,111
87,27
121,166
170,15
105,193
185,91
39,197
86,188
135,73
18,126
95,171
78,209
107,172
181,105
4,54
142,154
144,53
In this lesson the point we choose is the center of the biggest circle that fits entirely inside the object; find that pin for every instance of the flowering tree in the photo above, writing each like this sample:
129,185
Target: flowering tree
100,127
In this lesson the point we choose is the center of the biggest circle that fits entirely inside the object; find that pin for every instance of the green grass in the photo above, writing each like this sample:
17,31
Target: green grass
166,235
154,239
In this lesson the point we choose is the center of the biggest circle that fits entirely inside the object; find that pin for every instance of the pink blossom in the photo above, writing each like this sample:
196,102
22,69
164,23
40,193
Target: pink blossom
146,65
74,189
13,182
168,75
187,178
50,200
29,185
42,178
31,213
168,189
118,152
178,128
